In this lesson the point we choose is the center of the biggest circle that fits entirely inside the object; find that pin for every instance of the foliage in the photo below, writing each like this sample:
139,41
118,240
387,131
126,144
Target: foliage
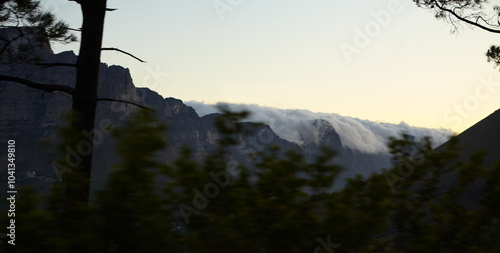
25,25
130,217
478,13
281,203
30,14
493,55
444,205
474,13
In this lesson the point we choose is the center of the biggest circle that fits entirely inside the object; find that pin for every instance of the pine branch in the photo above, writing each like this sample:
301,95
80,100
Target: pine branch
55,64
75,29
452,12
121,51
39,86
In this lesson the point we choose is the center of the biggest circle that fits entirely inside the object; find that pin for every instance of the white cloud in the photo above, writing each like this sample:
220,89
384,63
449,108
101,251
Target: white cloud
363,135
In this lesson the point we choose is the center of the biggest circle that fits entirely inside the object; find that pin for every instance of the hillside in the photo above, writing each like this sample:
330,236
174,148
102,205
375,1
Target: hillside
32,118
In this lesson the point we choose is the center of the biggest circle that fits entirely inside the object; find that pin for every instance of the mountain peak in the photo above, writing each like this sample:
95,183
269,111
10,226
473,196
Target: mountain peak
322,133
483,135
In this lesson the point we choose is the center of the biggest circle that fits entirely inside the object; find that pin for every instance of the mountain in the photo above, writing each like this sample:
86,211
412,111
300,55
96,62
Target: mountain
484,135
32,118
358,134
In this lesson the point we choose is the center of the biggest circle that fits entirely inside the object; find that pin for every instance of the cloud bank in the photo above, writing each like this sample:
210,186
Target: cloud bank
363,135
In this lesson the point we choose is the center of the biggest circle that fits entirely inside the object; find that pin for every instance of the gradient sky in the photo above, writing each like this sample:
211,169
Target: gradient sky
288,54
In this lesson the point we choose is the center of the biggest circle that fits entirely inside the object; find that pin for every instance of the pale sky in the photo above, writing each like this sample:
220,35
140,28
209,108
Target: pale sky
380,60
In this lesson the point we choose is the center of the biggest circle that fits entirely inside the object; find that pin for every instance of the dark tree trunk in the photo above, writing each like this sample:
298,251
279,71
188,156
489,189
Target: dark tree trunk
85,97
80,140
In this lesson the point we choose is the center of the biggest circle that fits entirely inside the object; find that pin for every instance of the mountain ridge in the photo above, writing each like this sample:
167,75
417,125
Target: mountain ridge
29,116
483,135
358,134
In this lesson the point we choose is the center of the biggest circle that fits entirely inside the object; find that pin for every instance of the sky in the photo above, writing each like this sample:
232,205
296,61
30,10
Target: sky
378,60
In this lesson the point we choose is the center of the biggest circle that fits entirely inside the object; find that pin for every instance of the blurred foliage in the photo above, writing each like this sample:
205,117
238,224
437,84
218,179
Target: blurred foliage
283,203
444,205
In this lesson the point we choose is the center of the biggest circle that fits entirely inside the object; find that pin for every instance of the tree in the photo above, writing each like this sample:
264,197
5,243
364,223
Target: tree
127,215
474,13
443,205
278,202
29,18
281,203
130,213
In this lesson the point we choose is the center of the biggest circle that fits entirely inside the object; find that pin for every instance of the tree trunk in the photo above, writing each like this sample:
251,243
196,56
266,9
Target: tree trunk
85,98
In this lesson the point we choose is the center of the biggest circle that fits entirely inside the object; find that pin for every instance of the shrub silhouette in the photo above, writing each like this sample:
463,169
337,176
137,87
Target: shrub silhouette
280,203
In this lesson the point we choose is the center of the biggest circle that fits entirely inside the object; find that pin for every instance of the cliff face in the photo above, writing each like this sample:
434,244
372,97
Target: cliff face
32,118
353,161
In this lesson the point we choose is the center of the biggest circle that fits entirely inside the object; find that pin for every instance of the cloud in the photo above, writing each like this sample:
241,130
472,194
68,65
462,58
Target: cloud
363,135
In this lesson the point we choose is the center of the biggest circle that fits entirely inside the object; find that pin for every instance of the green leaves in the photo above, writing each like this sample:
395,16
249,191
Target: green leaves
437,207
130,205
280,202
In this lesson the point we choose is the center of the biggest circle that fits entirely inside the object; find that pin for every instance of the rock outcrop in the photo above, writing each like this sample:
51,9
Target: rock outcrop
32,118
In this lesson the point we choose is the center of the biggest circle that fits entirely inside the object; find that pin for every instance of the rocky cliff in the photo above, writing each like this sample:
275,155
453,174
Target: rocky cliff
32,118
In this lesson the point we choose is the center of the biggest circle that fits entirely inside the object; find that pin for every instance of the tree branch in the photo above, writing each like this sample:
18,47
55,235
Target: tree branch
121,51
466,20
125,102
55,64
75,29
39,86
